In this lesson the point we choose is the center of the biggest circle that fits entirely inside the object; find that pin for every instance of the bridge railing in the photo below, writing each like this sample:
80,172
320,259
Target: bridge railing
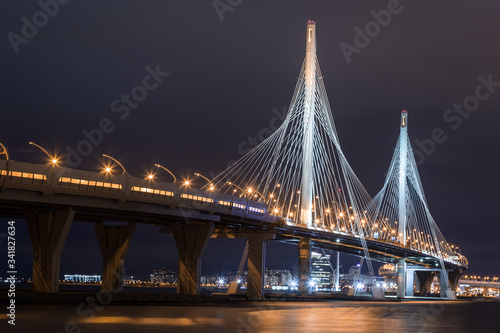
53,179
59,180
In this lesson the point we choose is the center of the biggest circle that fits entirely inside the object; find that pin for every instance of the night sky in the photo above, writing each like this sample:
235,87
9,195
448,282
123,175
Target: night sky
226,81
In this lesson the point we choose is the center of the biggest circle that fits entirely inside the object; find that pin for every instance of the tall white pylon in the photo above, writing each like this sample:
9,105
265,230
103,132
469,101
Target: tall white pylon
308,115
300,171
403,158
302,175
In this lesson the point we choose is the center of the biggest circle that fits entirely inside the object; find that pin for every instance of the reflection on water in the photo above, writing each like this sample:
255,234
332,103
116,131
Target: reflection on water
321,316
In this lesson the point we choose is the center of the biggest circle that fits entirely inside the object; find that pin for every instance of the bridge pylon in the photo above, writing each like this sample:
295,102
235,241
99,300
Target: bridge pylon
191,240
402,206
113,242
48,231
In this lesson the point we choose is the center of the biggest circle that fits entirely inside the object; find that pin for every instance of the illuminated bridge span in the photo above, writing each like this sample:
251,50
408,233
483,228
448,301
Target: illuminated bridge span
296,187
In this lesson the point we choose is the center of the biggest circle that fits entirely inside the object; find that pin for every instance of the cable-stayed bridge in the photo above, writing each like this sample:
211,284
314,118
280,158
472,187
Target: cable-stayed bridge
297,186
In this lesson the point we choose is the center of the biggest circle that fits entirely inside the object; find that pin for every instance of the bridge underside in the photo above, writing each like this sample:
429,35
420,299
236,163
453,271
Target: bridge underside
379,250
15,203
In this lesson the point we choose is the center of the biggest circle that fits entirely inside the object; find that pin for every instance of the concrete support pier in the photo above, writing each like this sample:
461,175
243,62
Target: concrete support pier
447,289
48,231
191,240
410,283
401,278
257,263
304,287
114,242
425,279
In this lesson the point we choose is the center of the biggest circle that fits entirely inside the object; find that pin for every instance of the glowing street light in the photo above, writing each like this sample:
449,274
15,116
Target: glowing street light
53,159
4,151
250,190
212,186
233,184
108,169
170,172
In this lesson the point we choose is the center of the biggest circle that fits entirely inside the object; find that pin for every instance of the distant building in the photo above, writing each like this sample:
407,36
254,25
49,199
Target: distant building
163,276
387,271
321,271
277,277
243,277
78,278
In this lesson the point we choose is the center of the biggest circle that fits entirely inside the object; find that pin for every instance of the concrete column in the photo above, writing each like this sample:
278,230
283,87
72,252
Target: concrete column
410,276
401,278
191,240
425,279
453,278
447,284
48,231
443,283
114,242
257,264
417,283
304,266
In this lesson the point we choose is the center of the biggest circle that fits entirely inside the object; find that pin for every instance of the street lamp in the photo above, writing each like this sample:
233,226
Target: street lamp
108,169
4,151
170,172
212,187
250,190
52,158
233,184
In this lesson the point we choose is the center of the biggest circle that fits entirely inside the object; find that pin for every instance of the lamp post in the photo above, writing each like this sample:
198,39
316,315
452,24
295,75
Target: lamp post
6,153
170,172
52,158
212,187
250,190
233,184
124,172
114,160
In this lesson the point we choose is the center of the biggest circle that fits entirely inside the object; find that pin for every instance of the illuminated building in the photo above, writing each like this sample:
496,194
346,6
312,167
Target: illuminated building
78,278
321,271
